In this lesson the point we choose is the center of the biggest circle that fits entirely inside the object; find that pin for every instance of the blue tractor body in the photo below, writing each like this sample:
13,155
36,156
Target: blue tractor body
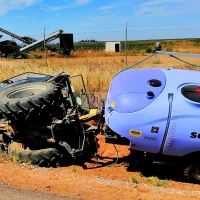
157,110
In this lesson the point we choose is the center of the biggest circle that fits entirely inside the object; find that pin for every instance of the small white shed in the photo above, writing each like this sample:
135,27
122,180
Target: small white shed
113,46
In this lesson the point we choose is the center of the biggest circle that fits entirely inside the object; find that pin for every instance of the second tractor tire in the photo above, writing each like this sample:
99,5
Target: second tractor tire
49,157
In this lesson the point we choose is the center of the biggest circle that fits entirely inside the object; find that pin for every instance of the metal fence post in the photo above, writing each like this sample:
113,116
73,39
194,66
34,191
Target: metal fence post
45,48
126,44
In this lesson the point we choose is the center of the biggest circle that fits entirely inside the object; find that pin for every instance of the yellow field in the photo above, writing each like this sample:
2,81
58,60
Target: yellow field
97,68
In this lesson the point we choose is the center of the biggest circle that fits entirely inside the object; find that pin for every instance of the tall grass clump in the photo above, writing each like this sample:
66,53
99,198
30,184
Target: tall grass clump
155,181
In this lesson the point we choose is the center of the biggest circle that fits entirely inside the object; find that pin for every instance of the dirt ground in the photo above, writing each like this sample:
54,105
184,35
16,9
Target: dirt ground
102,178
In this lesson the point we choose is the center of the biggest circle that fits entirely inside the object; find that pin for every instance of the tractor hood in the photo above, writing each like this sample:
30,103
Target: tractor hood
133,90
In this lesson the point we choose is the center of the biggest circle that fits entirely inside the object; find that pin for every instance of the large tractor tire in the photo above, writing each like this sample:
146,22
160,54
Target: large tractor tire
192,172
31,100
49,157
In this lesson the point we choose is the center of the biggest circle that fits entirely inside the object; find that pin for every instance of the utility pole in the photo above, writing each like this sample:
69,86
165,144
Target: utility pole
45,48
126,44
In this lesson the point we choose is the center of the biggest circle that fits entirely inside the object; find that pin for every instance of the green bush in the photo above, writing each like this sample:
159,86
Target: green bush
169,49
148,50
37,56
11,56
133,179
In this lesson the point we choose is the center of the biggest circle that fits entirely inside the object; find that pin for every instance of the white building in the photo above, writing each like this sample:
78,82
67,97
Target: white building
113,46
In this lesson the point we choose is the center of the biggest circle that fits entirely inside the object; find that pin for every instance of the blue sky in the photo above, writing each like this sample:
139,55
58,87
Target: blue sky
102,20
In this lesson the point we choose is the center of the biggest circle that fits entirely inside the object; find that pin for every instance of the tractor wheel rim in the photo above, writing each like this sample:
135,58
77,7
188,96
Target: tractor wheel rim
26,91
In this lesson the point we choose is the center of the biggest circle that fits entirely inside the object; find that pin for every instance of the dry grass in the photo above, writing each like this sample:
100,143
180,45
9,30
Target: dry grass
97,68
183,46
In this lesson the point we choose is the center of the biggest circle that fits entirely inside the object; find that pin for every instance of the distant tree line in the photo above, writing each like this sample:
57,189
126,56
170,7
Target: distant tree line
133,46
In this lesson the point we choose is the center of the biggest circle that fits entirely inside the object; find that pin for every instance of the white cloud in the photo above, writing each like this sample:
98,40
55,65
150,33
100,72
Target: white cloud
7,5
107,7
167,7
161,2
56,8
82,2
74,4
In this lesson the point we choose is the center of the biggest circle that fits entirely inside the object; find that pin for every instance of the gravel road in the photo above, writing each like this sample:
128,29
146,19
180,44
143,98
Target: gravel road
7,193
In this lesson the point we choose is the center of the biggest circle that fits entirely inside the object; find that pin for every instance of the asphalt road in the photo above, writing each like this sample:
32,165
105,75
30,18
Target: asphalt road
7,193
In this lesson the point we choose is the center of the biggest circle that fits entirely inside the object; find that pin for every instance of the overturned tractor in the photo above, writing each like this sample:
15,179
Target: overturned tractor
41,119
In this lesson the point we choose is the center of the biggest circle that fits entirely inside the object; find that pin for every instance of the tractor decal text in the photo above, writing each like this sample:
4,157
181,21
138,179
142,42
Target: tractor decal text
195,135
150,138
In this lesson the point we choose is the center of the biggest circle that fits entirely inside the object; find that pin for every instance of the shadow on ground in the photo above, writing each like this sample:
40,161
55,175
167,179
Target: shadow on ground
161,171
